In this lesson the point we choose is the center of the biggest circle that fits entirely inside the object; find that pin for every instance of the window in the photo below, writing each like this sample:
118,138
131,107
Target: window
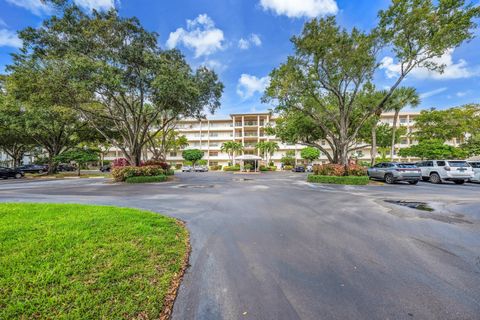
173,154
458,164
380,165
475,165
214,163
428,164
213,153
213,134
441,163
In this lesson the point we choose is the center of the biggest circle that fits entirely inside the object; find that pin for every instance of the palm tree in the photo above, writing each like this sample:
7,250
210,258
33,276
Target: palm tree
232,148
401,98
267,148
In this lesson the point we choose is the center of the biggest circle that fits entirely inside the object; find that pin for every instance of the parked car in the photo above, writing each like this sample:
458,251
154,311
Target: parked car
298,169
6,173
476,171
106,168
65,167
437,171
186,168
392,172
200,168
33,168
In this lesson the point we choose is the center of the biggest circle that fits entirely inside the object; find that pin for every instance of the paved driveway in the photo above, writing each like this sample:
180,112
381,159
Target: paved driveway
276,247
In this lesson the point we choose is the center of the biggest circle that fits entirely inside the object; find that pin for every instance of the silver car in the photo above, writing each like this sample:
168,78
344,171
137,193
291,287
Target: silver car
476,170
392,172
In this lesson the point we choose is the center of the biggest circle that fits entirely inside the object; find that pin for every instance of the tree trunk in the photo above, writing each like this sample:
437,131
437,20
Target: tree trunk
78,169
373,150
394,131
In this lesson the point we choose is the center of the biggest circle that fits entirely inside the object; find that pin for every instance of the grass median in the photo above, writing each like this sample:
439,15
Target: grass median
88,262
348,180
146,179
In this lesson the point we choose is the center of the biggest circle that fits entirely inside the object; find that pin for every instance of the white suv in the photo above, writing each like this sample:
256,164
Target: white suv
438,171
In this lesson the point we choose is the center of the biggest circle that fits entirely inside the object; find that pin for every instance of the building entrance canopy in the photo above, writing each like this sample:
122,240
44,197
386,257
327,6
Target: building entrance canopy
248,157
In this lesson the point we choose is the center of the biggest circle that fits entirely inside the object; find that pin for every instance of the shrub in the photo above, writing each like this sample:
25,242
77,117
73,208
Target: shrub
158,163
122,173
350,180
120,162
269,168
248,166
231,168
339,170
169,172
287,167
202,162
216,167
178,166
146,179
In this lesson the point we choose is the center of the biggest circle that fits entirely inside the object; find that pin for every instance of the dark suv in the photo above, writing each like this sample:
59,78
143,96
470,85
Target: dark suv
6,173
33,168
395,171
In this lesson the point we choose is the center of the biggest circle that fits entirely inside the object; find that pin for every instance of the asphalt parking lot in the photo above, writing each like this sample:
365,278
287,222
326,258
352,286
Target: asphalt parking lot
272,246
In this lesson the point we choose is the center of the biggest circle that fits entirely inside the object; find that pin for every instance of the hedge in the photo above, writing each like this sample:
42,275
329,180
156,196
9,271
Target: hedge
146,179
231,168
350,180
123,173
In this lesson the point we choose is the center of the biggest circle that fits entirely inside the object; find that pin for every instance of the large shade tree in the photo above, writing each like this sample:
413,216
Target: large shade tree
116,73
327,83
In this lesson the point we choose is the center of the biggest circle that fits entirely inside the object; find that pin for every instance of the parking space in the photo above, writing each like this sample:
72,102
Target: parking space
273,246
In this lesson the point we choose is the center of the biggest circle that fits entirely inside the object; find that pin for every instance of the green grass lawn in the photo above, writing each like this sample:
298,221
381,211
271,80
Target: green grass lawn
348,180
60,261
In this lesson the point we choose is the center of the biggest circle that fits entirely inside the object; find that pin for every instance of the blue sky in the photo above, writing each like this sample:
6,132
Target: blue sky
243,40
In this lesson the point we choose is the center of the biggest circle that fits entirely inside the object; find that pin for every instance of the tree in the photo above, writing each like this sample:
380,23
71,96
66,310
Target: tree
192,155
472,146
80,156
289,158
432,149
165,141
33,97
384,134
115,72
232,148
13,138
329,78
267,149
310,153
447,124
401,98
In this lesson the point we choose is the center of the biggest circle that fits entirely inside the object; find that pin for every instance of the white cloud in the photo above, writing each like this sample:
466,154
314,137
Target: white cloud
248,85
462,94
432,93
253,40
201,35
453,70
96,4
35,6
301,8
2,23
9,38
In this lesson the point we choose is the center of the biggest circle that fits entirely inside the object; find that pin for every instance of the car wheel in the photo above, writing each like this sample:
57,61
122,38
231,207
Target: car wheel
413,182
435,178
459,181
18,175
40,171
389,178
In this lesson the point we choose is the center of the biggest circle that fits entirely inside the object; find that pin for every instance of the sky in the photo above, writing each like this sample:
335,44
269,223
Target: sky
243,40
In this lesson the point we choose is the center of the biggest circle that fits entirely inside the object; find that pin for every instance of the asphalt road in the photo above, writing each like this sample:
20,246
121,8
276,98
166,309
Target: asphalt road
275,247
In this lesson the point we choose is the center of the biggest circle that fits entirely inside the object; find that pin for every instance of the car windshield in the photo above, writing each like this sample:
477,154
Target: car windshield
406,165
458,164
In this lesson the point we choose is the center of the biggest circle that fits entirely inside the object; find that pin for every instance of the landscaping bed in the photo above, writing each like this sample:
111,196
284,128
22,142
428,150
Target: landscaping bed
88,262
348,180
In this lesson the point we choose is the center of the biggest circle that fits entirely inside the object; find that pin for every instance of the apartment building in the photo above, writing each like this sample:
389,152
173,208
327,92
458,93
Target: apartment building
208,135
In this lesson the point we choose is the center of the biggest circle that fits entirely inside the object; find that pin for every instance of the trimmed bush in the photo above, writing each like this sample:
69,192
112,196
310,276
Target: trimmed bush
350,180
122,173
288,167
231,168
120,162
339,170
269,168
170,172
157,163
146,179
216,168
